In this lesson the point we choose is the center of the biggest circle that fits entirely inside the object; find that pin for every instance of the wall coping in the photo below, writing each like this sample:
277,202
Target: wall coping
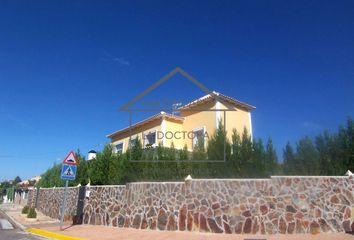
106,186
309,176
55,188
204,179
230,179
153,183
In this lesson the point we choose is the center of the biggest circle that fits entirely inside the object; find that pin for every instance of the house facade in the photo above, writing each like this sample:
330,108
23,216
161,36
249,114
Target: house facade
194,121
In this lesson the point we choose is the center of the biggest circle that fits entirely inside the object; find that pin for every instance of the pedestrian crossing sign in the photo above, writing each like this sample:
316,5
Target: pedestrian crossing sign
68,172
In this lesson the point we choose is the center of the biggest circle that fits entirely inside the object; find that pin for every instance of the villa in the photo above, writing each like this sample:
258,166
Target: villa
192,122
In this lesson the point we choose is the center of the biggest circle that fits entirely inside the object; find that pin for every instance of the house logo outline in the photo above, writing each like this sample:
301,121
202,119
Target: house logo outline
175,71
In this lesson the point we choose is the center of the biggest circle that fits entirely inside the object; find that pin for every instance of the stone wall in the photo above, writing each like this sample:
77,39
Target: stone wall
105,205
258,206
31,199
50,200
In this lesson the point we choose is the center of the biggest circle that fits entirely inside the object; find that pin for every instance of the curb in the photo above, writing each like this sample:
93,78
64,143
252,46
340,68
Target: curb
51,235
13,221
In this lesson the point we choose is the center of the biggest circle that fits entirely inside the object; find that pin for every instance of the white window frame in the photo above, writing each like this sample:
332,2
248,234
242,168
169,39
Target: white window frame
149,132
196,130
115,146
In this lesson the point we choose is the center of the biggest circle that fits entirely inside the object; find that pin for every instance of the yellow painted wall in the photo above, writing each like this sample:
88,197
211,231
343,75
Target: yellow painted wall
173,133
199,119
238,119
155,125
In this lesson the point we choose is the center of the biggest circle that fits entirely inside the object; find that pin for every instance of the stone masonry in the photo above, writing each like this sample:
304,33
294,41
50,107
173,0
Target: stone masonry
31,197
266,206
283,205
50,200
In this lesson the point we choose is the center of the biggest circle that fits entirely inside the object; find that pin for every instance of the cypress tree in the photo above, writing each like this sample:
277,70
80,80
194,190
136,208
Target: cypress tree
271,158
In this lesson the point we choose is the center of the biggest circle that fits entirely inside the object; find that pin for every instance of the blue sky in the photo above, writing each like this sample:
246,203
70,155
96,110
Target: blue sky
67,66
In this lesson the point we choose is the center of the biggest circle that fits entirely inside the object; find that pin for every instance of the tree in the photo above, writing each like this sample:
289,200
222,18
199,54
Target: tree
51,177
329,154
82,176
271,158
307,157
218,144
17,180
199,150
114,176
172,166
125,169
198,165
323,146
135,150
345,148
289,161
246,151
350,149
235,162
219,149
3,186
135,156
183,154
184,163
259,159
99,168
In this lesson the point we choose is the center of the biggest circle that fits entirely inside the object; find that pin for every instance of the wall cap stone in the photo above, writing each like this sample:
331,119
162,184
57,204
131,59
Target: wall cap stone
154,183
106,186
309,176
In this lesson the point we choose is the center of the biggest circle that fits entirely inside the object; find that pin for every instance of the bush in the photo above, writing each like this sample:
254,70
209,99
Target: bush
32,213
25,210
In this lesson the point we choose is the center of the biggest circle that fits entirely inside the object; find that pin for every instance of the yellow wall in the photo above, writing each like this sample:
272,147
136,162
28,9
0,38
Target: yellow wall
173,133
238,119
200,119
155,125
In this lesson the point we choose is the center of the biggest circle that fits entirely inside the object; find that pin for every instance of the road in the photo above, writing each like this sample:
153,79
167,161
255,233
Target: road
10,232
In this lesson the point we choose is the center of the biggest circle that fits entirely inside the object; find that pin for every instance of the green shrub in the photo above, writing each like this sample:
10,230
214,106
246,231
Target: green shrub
25,210
32,213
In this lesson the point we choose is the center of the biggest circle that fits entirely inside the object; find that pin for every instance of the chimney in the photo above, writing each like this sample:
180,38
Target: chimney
91,155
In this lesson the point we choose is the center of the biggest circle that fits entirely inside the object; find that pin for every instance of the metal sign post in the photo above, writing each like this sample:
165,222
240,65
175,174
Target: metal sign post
63,205
68,172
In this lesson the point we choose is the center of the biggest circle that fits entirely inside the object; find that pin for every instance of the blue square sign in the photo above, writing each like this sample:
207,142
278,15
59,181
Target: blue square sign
68,172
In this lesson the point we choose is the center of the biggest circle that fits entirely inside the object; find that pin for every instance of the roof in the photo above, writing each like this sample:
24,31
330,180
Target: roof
36,178
219,96
146,121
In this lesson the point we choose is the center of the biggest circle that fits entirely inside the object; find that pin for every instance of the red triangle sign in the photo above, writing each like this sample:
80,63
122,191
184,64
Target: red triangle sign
70,159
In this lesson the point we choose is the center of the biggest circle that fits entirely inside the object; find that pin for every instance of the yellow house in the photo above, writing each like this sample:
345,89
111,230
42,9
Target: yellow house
195,120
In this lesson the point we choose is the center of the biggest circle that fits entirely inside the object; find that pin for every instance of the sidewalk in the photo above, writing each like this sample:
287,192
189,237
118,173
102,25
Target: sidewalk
14,211
91,232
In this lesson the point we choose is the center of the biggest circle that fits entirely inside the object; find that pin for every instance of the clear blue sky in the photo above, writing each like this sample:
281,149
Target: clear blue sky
67,66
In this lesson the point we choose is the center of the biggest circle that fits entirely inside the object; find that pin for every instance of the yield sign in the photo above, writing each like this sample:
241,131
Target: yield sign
70,159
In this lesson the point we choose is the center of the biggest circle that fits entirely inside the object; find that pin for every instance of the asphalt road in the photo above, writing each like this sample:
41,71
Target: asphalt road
10,232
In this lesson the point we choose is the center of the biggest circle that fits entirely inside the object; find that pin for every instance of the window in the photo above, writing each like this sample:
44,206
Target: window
198,138
119,148
150,139
132,141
